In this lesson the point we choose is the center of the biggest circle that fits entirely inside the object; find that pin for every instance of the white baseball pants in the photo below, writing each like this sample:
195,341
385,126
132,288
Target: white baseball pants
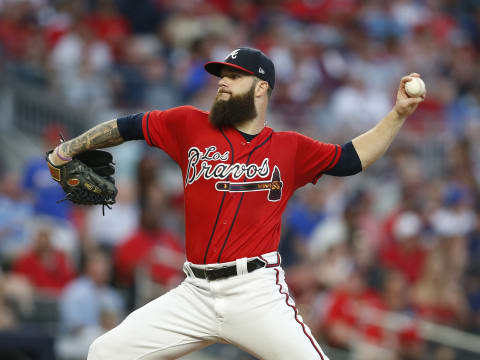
252,311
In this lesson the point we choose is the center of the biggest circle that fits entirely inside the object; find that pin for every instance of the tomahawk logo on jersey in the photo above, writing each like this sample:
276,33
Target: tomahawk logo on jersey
237,184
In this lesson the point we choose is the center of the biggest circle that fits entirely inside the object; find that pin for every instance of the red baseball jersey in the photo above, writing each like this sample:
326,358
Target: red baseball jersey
235,191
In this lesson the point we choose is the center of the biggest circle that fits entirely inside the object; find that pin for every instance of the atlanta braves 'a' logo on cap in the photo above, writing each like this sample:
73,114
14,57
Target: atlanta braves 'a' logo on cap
247,59
233,54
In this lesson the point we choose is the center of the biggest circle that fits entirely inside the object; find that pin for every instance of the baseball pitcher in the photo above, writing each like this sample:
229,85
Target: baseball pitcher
238,175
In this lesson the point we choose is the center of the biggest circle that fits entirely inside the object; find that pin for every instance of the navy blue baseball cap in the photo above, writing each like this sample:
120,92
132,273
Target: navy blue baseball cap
250,60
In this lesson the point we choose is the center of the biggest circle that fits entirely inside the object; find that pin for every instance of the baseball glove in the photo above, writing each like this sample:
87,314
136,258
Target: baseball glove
87,178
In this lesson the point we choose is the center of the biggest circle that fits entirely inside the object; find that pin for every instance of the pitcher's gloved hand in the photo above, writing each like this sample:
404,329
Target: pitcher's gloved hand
87,178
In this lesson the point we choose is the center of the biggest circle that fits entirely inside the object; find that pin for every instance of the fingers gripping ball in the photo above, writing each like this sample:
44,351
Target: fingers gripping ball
87,178
415,87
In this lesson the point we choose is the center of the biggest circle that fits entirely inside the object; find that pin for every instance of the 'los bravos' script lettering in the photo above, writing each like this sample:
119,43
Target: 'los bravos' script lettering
199,165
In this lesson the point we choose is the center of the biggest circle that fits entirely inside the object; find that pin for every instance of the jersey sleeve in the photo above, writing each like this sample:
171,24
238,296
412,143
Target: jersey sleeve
348,164
166,129
313,158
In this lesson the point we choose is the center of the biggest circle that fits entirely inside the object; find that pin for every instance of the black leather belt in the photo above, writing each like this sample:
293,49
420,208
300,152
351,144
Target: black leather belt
224,272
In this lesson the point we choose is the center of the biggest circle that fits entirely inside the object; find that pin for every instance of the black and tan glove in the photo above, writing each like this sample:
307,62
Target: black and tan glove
87,178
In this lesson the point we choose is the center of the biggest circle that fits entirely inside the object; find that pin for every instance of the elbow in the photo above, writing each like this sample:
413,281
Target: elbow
366,163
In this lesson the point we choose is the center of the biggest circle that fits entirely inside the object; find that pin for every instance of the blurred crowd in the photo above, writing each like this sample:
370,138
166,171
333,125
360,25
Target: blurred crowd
403,237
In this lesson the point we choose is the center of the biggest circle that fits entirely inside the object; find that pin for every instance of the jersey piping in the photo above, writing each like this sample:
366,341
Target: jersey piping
221,205
148,130
332,163
241,198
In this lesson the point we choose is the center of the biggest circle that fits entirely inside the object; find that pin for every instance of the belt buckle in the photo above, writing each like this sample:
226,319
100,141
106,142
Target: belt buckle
206,270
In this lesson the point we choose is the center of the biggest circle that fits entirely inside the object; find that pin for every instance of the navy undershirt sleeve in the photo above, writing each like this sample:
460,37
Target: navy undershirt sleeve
348,164
130,127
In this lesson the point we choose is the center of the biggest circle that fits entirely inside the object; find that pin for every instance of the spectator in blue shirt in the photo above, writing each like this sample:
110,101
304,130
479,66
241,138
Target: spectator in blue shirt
37,180
86,299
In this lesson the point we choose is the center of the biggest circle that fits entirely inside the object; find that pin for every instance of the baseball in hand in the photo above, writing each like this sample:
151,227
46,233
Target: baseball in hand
415,87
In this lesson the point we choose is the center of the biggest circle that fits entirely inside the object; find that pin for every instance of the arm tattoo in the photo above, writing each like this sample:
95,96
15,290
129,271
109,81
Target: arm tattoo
101,136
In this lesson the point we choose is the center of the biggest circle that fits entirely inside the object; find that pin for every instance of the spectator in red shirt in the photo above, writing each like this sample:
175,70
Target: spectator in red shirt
438,295
406,254
358,313
17,27
109,25
321,11
152,246
47,268
347,319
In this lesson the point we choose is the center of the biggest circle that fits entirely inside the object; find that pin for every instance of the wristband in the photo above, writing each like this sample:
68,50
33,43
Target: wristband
62,157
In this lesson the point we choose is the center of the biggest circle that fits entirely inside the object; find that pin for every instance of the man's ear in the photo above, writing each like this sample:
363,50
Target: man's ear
261,88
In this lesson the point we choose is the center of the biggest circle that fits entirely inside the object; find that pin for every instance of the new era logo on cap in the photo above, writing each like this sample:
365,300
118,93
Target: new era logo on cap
250,60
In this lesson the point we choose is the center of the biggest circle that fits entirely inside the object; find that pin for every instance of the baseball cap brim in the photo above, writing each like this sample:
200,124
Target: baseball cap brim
215,67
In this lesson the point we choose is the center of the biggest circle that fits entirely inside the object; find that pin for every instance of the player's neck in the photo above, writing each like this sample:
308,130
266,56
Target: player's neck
255,125
251,127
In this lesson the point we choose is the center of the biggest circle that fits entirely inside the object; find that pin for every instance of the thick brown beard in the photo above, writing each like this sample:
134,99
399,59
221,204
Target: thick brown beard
236,110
